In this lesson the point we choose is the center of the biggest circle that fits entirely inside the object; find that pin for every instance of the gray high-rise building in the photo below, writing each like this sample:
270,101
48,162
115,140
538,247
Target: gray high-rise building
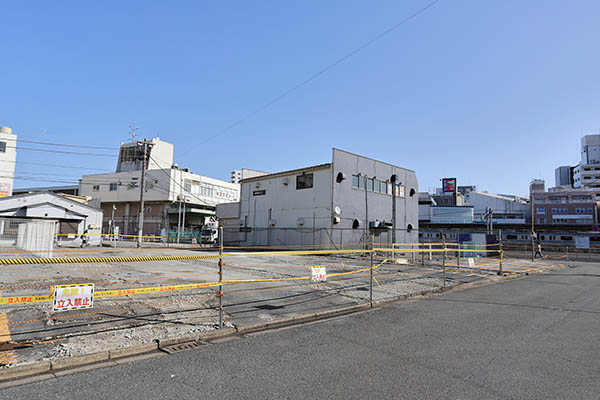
563,176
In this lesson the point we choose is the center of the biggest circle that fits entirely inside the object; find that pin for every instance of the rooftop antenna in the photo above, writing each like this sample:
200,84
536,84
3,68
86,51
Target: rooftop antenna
132,129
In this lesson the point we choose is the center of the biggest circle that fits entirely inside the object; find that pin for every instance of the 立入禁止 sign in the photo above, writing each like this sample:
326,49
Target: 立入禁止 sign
319,273
73,297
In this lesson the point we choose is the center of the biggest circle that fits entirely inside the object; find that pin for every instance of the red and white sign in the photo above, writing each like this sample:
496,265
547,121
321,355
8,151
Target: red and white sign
319,273
73,297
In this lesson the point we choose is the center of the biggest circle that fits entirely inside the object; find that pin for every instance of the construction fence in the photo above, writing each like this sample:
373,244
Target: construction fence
222,287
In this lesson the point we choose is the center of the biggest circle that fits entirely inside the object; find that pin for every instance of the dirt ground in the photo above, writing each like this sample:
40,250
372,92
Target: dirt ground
33,332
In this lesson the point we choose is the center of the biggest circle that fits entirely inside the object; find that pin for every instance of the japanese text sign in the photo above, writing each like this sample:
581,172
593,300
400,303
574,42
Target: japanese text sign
73,297
319,273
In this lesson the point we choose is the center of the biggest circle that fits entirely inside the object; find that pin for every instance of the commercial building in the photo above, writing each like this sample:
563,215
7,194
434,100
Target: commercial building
504,209
245,173
66,189
8,158
173,196
328,205
563,176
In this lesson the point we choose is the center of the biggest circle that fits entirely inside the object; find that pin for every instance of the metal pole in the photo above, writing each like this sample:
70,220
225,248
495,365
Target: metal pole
393,182
371,270
422,251
444,258
457,253
220,277
366,213
501,258
141,210
183,218
112,225
532,226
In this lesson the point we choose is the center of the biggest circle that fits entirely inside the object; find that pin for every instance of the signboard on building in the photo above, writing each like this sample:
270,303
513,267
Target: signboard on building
73,297
319,273
259,192
449,185
582,242
4,189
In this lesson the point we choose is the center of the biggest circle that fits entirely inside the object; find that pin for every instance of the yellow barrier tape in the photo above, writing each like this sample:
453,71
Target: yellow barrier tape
25,299
72,260
294,253
172,288
452,250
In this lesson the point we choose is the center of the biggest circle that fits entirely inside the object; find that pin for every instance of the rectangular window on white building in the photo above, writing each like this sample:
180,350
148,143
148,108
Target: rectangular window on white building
112,187
355,181
2,147
304,181
96,188
541,211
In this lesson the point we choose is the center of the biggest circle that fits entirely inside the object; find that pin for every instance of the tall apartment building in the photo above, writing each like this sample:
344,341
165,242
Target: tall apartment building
8,158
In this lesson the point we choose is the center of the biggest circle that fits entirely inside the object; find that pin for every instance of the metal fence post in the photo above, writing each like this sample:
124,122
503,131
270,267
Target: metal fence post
567,249
444,259
457,252
501,258
371,270
430,254
220,277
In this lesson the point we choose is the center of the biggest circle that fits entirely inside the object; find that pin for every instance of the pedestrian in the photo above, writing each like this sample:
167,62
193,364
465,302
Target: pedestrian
84,238
538,250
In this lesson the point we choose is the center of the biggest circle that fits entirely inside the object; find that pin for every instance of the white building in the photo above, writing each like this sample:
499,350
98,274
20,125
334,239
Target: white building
171,194
8,158
506,209
325,205
71,216
587,172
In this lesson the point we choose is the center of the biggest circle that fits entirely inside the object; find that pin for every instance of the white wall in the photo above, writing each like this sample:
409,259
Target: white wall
7,162
282,205
160,187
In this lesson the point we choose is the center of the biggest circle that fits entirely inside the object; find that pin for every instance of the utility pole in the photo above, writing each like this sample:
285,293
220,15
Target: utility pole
366,215
532,226
393,181
146,145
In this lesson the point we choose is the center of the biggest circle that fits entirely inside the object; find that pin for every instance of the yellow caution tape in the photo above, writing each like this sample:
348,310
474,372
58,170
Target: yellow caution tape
73,260
172,288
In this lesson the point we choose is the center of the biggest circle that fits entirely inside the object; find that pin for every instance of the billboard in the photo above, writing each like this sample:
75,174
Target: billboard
449,185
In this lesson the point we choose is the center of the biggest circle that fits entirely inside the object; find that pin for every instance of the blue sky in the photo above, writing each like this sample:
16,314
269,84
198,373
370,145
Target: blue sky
491,92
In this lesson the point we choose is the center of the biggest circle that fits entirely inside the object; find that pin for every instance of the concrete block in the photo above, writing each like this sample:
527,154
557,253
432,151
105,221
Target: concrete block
24,370
251,327
133,350
216,334
71,362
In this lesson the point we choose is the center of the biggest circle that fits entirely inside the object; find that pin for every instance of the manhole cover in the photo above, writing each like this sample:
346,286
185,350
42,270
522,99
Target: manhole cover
174,348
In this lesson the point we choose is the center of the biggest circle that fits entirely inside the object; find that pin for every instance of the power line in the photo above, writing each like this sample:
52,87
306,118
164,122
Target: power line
57,166
178,184
316,75
61,151
19,140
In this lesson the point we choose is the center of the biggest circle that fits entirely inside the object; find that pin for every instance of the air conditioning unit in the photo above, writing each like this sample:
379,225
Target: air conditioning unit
272,222
300,221
285,181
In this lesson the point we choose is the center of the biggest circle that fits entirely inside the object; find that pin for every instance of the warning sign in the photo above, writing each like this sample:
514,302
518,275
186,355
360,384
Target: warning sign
471,262
319,273
73,297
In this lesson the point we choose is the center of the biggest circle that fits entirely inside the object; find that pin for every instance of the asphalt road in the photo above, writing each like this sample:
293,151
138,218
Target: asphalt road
531,338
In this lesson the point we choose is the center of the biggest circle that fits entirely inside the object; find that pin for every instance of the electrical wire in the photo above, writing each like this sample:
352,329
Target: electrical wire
80,146
61,151
314,76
